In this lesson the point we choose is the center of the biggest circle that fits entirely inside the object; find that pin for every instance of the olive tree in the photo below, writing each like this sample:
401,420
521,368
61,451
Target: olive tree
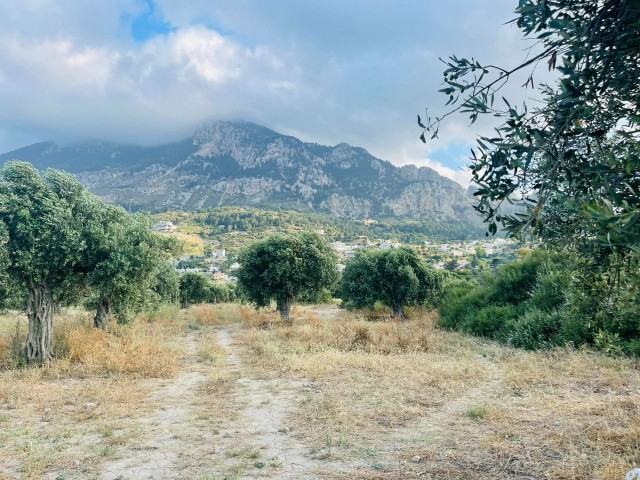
283,267
396,278
572,162
194,288
43,244
123,258
167,283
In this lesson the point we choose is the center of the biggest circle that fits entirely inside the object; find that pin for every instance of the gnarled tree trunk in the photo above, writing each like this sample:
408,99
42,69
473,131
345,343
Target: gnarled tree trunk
101,320
284,308
40,315
398,311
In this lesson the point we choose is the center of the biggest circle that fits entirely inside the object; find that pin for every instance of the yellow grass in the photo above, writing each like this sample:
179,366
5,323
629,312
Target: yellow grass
376,395
463,405
192,242
142,349
84,404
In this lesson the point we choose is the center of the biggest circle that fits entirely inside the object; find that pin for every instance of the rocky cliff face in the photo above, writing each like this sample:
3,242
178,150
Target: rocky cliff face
239,163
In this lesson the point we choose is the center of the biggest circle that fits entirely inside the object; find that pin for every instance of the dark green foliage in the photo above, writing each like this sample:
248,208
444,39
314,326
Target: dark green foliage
222,292
572,164
59,244
39,231
551,288
491,321
491,308
166,283
285,267
42,245
574,159
197,288
546,300
324,295
536,329
194,288
122,261
397,278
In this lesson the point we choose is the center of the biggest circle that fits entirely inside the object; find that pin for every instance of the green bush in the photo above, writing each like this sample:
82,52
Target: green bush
516,304
535,330
459,303
514,282
550,290
491,320
548,299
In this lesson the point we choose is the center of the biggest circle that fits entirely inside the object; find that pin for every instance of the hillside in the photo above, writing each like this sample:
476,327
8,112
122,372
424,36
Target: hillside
243,164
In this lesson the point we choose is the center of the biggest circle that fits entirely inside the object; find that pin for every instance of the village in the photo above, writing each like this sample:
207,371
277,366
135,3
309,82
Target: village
219,262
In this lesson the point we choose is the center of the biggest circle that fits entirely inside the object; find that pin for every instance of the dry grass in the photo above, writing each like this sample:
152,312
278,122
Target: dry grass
90,404
377,394
260,319
388,391
142,349
56,414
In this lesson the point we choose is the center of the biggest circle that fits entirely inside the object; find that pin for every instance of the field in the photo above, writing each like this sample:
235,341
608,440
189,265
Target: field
224,392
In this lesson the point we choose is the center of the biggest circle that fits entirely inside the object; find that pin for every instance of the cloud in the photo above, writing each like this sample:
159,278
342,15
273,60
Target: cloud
326,71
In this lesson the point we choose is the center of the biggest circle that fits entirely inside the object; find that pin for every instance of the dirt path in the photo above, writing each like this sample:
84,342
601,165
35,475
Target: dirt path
254,440
263,406
162,432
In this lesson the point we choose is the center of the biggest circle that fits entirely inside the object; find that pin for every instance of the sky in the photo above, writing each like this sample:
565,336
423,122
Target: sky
328,71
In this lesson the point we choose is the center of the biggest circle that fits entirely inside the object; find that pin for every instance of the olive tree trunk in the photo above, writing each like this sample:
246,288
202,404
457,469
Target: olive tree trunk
284,308
398,311
40,315
101,320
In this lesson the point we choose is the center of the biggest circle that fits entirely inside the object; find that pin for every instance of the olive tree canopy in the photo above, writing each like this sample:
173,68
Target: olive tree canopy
283,267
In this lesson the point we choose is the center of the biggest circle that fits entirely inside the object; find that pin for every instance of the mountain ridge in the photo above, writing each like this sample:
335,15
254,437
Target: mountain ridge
242,163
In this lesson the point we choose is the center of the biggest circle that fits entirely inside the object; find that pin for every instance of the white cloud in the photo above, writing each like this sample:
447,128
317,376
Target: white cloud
324,71
166,87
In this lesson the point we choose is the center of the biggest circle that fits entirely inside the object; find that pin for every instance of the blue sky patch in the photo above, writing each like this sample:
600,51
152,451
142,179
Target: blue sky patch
149,24
455,155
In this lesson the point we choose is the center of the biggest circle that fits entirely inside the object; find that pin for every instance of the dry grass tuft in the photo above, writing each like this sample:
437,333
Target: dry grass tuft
205,314
352,333
131,351
142,349
12,341
54,416
260,319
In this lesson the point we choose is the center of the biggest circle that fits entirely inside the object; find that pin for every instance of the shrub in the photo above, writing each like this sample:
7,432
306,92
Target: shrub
515,281
550,290
547,299
535,330
496,305
490,321
460,301
194,288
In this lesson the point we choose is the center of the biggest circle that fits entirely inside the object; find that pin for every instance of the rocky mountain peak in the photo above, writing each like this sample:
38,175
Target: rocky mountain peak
241,163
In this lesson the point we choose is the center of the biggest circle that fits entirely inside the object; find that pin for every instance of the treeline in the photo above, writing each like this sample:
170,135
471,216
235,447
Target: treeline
61,245
239,219
198,288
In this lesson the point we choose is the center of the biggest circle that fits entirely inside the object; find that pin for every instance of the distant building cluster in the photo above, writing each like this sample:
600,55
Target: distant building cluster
164,227
218,264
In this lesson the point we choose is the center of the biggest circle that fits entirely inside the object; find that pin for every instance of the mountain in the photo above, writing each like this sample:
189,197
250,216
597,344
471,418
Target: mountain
244,164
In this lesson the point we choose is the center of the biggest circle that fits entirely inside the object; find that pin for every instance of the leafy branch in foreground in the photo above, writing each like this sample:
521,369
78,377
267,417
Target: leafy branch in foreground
571,164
